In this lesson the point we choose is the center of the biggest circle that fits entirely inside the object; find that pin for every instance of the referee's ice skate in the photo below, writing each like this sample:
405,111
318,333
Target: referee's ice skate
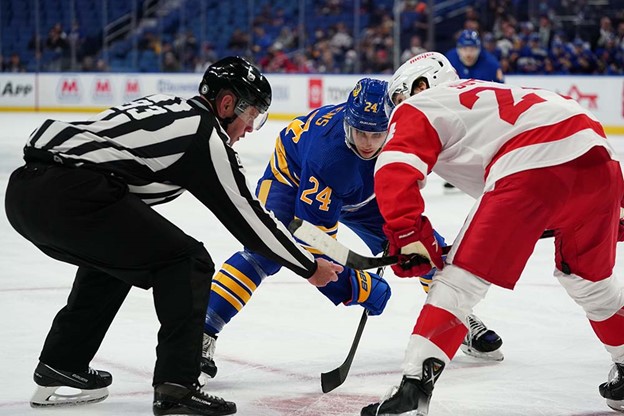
89,386
481,342
176,399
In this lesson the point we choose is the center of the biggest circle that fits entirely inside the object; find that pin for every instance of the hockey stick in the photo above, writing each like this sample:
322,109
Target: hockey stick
337,376
335,250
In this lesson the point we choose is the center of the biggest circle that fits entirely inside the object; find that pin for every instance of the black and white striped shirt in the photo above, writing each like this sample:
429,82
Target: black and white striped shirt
162,145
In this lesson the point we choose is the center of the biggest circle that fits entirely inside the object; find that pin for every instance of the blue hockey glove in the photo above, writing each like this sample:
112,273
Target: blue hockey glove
369,290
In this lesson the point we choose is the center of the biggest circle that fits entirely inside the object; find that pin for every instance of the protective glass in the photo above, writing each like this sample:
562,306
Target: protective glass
250,115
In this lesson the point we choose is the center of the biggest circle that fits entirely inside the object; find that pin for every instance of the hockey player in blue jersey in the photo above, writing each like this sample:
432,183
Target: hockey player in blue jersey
471,61
321,171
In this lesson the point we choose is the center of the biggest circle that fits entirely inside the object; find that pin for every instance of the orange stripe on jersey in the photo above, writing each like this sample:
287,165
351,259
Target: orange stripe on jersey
546,134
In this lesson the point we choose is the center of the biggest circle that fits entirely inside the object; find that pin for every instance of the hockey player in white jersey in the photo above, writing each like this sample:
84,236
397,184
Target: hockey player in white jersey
534,160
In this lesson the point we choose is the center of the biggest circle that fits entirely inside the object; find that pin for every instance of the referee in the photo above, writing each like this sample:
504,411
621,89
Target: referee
84,196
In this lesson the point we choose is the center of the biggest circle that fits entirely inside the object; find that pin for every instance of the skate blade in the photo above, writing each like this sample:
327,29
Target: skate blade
496,355
410,413
616,405
50,396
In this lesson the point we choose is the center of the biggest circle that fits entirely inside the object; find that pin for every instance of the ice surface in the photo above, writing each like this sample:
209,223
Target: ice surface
271,355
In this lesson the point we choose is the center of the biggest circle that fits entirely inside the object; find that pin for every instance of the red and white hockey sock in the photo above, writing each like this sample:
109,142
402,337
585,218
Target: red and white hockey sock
611,333
437,333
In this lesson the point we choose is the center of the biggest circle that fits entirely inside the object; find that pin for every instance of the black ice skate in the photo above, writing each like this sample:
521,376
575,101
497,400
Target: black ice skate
481,342
90,386
613,390
207,363
176,399
412,396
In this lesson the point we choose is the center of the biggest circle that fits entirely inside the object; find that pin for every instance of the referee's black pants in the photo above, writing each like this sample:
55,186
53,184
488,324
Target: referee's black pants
90,219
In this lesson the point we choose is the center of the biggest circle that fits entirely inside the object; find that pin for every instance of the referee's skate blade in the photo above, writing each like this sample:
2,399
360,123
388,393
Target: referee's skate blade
67,396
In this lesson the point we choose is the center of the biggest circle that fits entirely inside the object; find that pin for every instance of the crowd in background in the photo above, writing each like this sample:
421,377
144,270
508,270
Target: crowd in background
552,39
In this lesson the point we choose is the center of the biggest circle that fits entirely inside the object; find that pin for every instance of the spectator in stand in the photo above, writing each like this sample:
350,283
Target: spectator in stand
302,64
287,38
327,63
489,44
609,57
186,48
14,63
583,60
207,57
619,35
262,41
560,57
342,40
413,22
170,62
87,64
415,48
239,41
149,41
602,35
532,56
545,31
507,39
57,39
101,65
75,40
276,60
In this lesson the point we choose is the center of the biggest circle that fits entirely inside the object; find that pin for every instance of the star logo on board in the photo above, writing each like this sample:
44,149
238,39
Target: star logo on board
589,100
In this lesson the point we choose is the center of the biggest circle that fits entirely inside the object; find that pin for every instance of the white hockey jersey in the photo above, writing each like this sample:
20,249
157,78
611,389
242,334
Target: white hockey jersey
472,133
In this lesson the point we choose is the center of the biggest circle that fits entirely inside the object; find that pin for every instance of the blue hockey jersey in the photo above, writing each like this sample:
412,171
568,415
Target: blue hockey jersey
486,68
331,182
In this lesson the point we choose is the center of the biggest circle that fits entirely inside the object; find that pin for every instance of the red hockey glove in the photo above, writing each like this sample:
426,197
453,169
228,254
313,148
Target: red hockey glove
417,248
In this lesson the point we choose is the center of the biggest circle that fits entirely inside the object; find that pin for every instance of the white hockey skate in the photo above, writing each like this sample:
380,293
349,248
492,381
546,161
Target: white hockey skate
481,342
67,388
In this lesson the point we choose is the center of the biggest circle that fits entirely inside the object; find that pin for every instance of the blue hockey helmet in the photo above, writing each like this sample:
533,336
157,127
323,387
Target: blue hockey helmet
365,120
468,47
469,38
